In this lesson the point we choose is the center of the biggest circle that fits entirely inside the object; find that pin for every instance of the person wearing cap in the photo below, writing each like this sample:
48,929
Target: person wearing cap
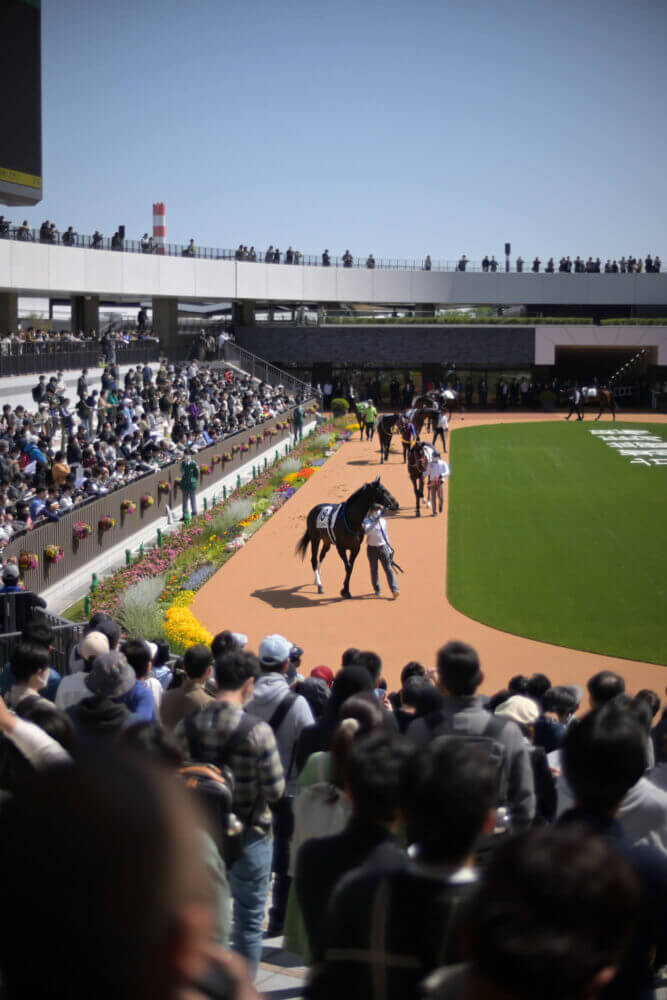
323,673
436,472
287,714
461,712
189,477
24,600
73,688
101,714
378,549
525,712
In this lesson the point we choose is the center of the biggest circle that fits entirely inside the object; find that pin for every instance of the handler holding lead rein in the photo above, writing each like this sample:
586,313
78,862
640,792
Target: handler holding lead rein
379,549
436,472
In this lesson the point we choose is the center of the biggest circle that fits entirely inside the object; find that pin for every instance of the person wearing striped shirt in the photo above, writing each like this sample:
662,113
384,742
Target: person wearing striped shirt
259,782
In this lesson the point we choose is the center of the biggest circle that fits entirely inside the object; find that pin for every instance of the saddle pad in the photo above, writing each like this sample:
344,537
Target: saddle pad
590,393
326,519
449,394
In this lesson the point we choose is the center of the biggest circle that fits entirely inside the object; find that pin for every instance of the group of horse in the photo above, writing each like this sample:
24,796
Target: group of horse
340,525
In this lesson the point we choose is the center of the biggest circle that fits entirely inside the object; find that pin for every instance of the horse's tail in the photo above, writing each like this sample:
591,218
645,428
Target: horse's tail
302,544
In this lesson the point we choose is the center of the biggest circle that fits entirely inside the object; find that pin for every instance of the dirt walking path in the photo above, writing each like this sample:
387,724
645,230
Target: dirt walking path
266,588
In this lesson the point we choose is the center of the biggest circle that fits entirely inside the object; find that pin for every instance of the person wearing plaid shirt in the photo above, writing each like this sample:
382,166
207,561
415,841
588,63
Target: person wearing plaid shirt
258,782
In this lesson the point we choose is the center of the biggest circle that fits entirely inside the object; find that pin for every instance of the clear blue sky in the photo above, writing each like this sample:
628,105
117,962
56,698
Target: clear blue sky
398,128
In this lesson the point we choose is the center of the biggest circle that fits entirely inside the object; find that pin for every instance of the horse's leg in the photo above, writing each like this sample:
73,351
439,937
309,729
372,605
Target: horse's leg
315,543
325,548
345,592
600,413
353,555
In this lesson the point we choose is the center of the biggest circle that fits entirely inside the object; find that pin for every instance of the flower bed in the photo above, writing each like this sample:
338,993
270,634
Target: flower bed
191,555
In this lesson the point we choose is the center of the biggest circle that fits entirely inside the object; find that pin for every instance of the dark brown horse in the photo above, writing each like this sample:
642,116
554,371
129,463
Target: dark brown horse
418,458
341,525
603,398
386,426
448,400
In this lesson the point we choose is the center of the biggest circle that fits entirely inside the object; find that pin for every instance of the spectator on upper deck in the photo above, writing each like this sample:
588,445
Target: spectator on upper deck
536,265
519,264
97,239
289,256
462,263
347,259
190,249
370,261
427,262
326,259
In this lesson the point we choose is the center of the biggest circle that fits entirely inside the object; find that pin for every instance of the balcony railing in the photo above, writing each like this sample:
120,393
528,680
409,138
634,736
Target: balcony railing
116,244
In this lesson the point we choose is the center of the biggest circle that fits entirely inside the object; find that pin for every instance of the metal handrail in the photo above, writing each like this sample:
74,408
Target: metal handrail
8,231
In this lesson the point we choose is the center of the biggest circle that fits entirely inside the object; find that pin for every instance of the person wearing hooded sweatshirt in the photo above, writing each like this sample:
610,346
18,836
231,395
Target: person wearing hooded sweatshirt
350,680
287,714
101,715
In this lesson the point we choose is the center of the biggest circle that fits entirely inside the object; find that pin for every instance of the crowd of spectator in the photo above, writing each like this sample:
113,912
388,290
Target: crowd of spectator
73,447
429,842
34,340
48,233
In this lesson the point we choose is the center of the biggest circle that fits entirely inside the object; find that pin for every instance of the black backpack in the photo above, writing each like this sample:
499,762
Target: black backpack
489,739
209,776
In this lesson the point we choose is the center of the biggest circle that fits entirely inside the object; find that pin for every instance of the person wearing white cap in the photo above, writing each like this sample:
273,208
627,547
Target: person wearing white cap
73,688
287,714
525,712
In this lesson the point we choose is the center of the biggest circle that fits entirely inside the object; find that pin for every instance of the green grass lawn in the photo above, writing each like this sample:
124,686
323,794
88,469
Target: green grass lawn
555,536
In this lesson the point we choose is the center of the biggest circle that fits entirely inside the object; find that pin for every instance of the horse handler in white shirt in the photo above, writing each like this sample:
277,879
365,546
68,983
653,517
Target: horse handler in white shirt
436,472
379,549
441,428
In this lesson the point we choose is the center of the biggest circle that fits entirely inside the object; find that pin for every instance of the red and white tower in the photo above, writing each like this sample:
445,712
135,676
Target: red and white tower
159,227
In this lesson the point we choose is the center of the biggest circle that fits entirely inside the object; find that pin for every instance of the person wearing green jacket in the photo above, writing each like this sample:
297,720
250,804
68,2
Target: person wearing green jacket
189,478
361,417
297,420
370,417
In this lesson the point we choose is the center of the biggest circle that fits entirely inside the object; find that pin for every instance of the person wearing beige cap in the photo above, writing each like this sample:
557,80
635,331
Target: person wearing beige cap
525,712
72,689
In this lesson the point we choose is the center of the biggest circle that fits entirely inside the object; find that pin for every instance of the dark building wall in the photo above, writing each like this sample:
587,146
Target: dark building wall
391,345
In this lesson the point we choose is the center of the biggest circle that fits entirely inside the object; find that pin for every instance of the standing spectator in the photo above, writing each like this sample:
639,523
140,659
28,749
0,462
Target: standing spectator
326,259
519,264
223,733
463,261
297,419
189,477
191,696
370,934
370,261
347,259
459,676
427,263
536,265
604,755
287,714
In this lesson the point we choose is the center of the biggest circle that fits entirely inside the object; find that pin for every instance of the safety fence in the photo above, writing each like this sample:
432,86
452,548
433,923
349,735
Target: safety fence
117,516
118,243
12,618
23,359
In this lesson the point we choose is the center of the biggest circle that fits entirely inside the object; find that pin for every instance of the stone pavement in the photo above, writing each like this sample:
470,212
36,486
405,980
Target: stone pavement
281,975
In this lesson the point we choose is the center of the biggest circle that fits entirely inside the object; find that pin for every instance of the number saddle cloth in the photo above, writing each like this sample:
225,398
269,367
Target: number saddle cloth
590,392
326,519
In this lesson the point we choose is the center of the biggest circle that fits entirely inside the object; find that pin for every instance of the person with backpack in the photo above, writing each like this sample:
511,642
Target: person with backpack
224,735
287,714
463,714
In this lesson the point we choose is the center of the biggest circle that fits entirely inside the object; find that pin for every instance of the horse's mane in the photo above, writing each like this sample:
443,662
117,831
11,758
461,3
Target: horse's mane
357,493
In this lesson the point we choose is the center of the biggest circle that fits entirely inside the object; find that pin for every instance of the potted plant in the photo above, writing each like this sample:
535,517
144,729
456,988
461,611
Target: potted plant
53,553
28,560
80,529
128,506
147,500
106,523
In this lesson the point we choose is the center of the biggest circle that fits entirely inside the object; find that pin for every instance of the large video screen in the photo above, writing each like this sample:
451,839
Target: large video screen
21,102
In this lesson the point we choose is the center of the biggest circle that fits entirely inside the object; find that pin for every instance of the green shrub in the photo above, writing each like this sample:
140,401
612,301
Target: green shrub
228,518
339,406
139,613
